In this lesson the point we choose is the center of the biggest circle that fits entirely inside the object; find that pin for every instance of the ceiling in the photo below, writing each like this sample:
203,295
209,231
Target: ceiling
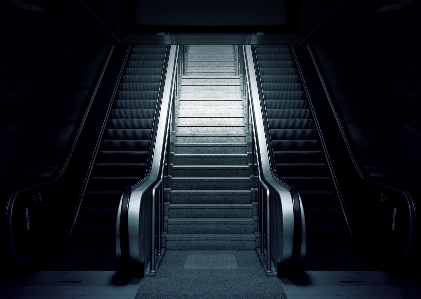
100,21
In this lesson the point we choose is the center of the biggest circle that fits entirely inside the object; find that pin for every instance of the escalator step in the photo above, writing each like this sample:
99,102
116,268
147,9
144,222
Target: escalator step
128,134
139,87
308,183
293,134
133,113
132,71
141,78
281,87
137,95
145,64
147,57
113,183
119,169
291,124
106,198
295,145
278,71
269,51
125,145
136,104
284,95
123,156
127,123
275,57
296,169
288,113
307,156
279,79
276,64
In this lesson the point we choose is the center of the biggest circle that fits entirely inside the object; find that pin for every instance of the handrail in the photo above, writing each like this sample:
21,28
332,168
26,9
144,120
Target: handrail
144,212
279,226
401,197
45,193
158,98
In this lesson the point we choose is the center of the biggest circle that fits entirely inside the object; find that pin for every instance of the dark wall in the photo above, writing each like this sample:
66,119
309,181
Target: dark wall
375,76
45,80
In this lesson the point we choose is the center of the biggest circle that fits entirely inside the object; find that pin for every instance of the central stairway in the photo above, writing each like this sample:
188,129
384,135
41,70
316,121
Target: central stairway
209,203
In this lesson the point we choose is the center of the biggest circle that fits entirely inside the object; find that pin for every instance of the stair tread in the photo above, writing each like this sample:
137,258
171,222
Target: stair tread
203,219
211,205
213,236
211,191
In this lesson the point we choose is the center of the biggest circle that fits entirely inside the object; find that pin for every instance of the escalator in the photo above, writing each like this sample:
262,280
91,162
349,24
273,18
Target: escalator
122,158
299,161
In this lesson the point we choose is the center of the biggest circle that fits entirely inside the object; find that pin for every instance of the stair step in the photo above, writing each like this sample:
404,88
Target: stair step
210,148
308,183
201,210
211,196
119,169
184,130
293,134
223,101
221,138
295,145
211,225
211,241
210,183
295,169
314,156
210,170
210,159
210,121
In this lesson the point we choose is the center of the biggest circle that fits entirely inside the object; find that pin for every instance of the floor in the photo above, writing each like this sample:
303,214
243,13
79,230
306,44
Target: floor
205,274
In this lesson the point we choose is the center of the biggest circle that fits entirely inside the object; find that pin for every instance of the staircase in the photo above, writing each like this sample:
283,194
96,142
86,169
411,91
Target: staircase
209,202
121,160
300,160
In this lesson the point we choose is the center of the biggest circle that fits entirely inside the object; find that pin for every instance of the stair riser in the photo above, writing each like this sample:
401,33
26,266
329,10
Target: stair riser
210,244
210,112
211,121
111,183
234,81
299,157
210,160
212,139
296,145
214,149
227,103
119,170
211,197
209,130
310,184
209,212
210,184
211,228
297,169
209,172
297,134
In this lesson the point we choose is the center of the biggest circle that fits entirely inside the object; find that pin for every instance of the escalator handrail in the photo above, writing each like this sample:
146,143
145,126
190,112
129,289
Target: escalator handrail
138,193
155,122
289,219
10,248
411,246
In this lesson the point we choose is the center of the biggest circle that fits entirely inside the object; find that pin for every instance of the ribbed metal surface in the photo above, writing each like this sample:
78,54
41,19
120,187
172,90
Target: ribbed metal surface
299,159
123,154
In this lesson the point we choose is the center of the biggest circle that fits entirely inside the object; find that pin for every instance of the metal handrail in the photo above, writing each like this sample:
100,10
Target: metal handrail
278,223
370,183
145,202
25,196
